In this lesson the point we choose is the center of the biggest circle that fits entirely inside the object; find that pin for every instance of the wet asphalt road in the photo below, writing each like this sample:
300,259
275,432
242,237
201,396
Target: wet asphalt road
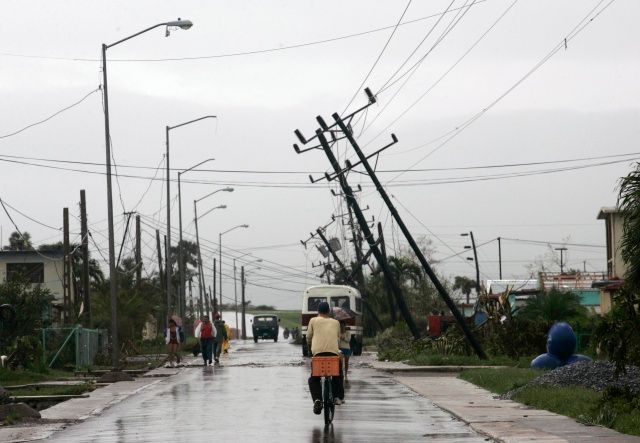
259,394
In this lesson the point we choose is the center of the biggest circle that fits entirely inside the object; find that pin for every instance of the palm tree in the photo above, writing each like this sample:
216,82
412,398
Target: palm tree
553,306
464,284
629,204
19,242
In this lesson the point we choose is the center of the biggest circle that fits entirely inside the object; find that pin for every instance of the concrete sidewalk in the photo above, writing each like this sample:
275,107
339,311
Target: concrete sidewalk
65,413
503,420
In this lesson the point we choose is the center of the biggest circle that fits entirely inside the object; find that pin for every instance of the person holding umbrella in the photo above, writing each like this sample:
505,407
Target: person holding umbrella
172,340
345,346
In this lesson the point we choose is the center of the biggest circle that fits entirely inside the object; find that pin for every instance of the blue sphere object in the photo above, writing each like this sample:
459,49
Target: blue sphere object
545,361
577,358
561,341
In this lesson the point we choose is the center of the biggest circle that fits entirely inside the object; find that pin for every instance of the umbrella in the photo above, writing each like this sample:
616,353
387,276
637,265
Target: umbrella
342,313
177,319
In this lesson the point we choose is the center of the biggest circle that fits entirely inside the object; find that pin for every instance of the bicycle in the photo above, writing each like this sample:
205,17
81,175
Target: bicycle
327,368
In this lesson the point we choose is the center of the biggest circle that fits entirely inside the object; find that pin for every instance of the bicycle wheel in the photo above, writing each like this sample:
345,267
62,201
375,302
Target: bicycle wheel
329,407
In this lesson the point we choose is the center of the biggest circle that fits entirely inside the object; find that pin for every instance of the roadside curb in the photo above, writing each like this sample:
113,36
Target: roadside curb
434,369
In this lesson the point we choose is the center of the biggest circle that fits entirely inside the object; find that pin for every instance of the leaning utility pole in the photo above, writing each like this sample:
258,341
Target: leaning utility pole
475,258
373,245
341,129
84,233
405,231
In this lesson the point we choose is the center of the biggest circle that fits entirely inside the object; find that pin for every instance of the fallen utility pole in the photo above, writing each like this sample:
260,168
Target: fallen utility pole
350,278
364,226
405,231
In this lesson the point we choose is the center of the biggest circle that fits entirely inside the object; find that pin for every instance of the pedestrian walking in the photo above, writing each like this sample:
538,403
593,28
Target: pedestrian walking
172,340
345,346
220,337
226,344
206,332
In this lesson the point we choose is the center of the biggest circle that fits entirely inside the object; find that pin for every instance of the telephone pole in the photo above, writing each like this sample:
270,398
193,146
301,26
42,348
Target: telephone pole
84,233
160,273
341,129
138,252
244,305
373,245
66,274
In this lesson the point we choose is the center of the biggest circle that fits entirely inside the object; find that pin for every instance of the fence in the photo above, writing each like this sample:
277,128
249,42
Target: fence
74,345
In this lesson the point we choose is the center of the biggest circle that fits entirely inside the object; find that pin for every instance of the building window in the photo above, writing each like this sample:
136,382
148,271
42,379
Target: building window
26,272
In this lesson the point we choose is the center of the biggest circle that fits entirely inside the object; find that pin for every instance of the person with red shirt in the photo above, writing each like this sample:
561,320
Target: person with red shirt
206,332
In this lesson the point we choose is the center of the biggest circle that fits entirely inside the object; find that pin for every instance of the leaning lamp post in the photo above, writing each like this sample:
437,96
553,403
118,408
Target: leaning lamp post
182,24
168,177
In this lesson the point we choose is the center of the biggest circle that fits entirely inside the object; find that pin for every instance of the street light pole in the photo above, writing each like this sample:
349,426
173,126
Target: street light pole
115,355
168,283
181,264
227,189
200,270
220,265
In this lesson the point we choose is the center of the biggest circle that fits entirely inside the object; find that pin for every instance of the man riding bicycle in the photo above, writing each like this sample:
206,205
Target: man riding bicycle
323,336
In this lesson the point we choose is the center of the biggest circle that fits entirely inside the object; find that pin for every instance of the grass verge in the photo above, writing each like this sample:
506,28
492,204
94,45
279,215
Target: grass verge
23,376
427,359
499,381
53,390
585,405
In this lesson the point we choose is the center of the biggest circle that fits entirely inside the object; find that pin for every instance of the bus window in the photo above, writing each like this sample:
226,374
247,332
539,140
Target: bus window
314,302
340,302
358,305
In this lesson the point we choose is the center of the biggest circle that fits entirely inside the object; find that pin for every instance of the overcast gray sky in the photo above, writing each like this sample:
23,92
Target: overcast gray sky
581,103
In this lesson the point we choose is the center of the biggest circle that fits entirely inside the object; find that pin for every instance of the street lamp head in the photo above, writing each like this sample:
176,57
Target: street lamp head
244,226
222,207
228,189
182,24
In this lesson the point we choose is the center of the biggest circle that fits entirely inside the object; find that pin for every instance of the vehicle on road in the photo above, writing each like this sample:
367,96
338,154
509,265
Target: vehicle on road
265,327
338,296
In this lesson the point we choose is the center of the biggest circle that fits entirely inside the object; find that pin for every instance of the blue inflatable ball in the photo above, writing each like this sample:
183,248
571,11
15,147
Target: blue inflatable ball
561,341
545,361
577,358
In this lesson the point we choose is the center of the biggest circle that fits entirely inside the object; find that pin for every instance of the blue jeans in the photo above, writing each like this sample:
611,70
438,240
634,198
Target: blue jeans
206,345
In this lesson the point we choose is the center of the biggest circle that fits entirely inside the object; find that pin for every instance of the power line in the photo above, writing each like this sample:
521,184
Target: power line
375,63
233,54
552,243
302,185
33,219
582,24
301,172
434,84
11,134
